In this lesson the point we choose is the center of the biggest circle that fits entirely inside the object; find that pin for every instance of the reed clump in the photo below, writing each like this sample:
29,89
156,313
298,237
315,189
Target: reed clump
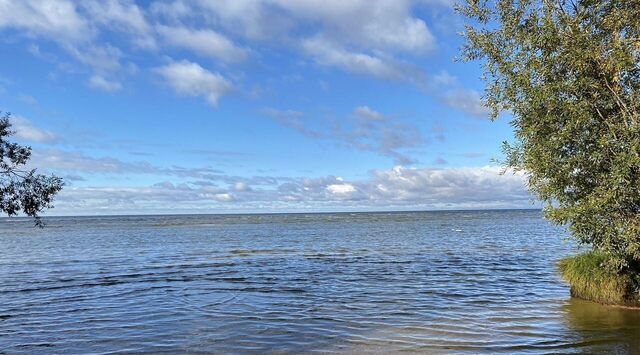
591,279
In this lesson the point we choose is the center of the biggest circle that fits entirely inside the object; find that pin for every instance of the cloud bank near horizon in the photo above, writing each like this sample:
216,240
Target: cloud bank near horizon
210,191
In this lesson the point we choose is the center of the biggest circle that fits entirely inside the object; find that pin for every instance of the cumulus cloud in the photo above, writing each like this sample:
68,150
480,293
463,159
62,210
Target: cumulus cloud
402,188
205,42
341,190
188,78
207,188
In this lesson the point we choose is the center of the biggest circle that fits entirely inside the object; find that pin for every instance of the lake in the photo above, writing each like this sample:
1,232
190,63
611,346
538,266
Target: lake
431,282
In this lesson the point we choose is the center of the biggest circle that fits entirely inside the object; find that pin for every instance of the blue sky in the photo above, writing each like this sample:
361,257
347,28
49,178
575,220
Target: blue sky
251,105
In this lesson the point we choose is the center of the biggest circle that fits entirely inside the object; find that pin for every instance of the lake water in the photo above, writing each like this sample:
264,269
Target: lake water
431,282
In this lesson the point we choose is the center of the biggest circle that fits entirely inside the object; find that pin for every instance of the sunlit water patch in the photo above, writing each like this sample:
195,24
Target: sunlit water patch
435,282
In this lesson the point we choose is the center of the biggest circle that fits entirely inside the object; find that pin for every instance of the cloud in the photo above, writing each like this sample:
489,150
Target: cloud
26,130
377,38
341,190
365,129
443,78
258,20
29,100
453,187
473,155
329,54
188,78
86,31
78,163
204,42
380,25
366,112
359,36
99,82
56,20
440,161
123,16
292,119
103,59
466,101
75,26
241,186
397,188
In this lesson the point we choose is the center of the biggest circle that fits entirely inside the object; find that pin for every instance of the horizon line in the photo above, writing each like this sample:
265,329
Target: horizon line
275,213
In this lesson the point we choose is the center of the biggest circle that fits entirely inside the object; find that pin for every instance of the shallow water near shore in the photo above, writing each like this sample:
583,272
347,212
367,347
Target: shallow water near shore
436,282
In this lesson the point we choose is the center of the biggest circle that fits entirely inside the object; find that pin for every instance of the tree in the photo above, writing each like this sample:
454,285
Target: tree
568,71
22,191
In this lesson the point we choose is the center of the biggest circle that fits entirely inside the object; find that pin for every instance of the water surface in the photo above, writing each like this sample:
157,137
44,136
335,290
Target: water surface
436,282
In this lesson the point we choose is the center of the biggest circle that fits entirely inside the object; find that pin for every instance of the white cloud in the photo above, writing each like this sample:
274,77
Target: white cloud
26,130
359,36
102,59
368,37
56,20
122,15
467,101
397,188
224,197
188,78
329,54
366,112
101,83
253,19
379,24
464,187
241,186
443,78
76,27
341,189
204,42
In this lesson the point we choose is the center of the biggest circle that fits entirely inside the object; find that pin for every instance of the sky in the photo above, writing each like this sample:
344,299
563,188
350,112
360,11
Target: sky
227,106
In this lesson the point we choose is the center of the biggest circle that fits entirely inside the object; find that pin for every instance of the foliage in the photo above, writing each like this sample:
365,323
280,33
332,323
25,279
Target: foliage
568,71
22,191
590,280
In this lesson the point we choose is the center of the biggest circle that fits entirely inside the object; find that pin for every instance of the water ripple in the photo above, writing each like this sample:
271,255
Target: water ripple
445,282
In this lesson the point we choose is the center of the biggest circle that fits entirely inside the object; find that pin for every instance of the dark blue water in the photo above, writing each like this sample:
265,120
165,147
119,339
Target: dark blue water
430,282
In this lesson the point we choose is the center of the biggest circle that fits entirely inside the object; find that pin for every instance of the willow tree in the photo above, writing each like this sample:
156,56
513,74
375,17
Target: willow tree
568,72
22,191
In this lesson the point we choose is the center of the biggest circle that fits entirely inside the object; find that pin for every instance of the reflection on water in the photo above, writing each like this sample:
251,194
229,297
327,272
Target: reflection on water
605,328
435,282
